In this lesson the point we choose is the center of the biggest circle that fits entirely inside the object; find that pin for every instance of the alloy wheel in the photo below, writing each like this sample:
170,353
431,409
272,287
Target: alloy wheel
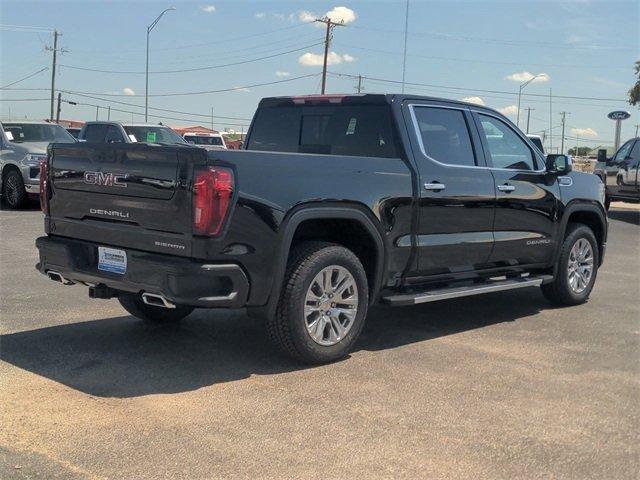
580,267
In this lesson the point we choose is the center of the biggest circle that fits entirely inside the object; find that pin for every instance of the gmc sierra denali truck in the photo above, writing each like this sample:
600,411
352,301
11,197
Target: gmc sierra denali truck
337,203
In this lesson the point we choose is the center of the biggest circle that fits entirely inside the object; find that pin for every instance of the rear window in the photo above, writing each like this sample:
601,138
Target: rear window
203,140
356,130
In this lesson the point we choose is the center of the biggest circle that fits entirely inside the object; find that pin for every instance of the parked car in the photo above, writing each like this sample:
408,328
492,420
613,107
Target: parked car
537,141
208,141
23,145
339,202
620,173
116,132
74,131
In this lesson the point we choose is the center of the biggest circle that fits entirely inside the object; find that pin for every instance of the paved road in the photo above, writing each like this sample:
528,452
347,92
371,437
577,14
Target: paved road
499,386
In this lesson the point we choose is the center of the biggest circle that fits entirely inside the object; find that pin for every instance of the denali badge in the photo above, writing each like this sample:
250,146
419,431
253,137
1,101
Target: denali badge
109,213
106,179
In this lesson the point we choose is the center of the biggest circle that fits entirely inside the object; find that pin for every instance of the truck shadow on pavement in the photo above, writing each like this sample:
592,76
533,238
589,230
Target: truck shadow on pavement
627,216
122,357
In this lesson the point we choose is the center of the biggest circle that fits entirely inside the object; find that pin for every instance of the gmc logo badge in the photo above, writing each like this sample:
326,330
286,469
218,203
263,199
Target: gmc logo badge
105,179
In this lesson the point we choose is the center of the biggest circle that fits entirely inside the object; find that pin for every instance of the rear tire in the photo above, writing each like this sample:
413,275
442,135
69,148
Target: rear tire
323,286
133,304
577,267
15,195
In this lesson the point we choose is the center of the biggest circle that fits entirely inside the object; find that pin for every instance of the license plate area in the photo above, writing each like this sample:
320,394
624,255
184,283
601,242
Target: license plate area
112,260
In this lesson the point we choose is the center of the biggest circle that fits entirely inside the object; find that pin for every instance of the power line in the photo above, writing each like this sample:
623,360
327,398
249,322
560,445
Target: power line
26,78
464,89
197,69
70,92
492,62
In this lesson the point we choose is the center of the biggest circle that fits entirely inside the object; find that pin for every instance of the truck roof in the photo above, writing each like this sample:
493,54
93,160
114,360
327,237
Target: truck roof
361,98
125,124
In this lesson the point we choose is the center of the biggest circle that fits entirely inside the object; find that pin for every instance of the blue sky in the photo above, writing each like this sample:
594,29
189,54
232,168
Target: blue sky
455,50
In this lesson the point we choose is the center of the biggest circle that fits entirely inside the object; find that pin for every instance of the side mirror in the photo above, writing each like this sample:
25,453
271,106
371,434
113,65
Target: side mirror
557,163
602,155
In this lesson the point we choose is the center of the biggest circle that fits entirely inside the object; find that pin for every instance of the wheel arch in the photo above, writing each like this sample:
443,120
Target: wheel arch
296,221
591,215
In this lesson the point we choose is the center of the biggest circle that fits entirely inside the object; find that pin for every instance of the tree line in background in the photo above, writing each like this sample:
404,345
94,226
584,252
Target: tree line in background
634,92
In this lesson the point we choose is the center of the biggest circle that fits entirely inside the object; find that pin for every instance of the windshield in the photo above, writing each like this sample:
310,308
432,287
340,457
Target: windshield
204,140
152,134
37,132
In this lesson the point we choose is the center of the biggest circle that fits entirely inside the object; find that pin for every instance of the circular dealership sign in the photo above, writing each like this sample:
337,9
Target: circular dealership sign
619,115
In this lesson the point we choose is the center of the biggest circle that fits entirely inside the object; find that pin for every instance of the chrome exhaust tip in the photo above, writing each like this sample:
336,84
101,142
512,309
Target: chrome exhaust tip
156,300
57,277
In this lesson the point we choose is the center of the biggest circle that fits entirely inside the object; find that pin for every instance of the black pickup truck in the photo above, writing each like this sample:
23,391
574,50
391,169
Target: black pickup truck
337,203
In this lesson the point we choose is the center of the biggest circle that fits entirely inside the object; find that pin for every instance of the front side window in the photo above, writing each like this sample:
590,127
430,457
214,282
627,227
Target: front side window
445,135
506,148
113,135
352,130
623,152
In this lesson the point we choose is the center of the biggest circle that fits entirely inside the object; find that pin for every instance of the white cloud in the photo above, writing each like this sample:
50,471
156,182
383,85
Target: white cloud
315,60
128,91
584,132
260,15
208,8
342,14
241,89
305,17
282,73
522,77
510,110
476,100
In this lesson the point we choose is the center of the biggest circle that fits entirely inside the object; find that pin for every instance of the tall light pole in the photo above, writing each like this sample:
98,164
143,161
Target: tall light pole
520,93
146,88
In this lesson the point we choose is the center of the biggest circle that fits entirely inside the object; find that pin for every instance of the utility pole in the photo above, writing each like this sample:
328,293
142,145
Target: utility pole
212,118
528,117
359,87
58,110
327,40
550,123
109,112
563,115
636,130
97,110
56,34
404,56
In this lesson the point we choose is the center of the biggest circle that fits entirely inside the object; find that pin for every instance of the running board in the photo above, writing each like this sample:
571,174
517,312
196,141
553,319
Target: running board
465,291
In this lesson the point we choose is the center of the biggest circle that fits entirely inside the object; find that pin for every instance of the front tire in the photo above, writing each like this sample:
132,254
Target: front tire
133,304
323,303
577,267
15,195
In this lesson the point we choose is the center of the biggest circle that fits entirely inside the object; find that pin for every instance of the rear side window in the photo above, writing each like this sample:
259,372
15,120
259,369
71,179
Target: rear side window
445,135
354,130
95,133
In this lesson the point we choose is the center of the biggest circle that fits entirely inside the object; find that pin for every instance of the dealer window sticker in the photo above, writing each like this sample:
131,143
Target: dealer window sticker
151,137
351,129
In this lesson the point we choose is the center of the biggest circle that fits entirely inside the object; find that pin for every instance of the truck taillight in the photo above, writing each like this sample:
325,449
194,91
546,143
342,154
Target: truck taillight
44,187
212,193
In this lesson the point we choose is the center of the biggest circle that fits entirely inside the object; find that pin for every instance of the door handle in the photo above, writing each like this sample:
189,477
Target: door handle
435,186
506,188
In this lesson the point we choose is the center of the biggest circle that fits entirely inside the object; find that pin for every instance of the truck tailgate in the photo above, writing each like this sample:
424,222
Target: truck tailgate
124,195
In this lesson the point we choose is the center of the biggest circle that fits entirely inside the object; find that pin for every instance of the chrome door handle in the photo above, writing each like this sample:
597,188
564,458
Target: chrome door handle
506,188
434,186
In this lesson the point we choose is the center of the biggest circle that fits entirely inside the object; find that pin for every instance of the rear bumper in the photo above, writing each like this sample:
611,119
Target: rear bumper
180,280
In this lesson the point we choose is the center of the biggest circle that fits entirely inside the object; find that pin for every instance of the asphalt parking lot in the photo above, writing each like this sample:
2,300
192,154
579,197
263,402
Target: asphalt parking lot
497,386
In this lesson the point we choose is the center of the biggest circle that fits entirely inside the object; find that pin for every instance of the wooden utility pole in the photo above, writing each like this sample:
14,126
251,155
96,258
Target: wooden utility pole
56,34
528,117
636,130
327,40
58,110
359,87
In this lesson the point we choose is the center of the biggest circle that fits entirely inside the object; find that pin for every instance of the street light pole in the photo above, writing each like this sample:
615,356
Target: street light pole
146,88
520,94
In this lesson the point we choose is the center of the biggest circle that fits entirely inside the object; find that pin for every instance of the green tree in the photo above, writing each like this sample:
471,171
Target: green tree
634,92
